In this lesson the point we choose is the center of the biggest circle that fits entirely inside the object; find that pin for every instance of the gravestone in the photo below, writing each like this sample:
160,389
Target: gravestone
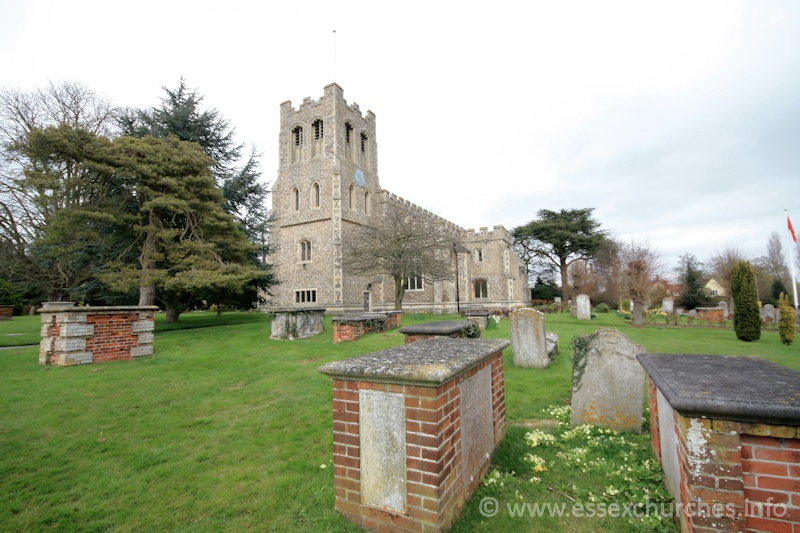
552,345
768,313
557,300
693,313
724,307
584,307
668,305
607,381
528,338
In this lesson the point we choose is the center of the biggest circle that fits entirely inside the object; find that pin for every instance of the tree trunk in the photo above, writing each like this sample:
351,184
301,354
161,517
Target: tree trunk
147,295
565,289
173,312
399,291
147,290
638,313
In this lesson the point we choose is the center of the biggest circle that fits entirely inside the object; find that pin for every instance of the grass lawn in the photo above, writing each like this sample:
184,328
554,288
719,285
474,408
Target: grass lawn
225,429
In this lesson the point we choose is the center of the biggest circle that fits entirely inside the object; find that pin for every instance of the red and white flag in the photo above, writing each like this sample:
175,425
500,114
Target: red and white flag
791,229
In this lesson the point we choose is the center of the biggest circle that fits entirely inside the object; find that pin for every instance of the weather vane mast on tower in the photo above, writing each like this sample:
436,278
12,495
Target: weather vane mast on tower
334,56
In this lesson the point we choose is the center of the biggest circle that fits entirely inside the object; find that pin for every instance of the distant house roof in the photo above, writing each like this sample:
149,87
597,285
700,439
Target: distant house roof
715,289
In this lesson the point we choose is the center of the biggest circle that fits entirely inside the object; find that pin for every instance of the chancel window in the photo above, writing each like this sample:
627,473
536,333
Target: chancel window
414,283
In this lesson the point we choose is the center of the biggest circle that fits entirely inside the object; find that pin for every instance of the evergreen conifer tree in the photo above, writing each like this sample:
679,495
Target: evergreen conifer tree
747,316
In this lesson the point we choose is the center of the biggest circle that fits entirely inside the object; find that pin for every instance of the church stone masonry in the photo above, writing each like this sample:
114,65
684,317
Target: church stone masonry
328,185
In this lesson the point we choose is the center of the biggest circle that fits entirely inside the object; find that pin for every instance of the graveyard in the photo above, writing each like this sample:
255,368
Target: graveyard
223,428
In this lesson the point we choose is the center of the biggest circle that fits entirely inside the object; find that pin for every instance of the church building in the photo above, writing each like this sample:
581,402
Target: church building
327,186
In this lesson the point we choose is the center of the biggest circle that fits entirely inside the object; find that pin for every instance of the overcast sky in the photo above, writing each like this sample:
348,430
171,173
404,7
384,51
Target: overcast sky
679,122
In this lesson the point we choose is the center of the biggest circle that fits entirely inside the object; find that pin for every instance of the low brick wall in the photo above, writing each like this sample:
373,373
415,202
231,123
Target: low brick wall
413,431
711,314
83,335
728,440
6,312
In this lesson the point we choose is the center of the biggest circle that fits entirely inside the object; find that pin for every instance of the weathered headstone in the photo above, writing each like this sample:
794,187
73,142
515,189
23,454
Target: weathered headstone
693,313
552,344
667,305
584,307
768,313
557,299
724,307
607,381
528,338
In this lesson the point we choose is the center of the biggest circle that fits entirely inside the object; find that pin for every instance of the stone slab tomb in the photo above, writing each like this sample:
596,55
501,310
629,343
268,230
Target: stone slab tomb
292,323
608,382
414,428
74,335
529,339
353,326
726,431
454,329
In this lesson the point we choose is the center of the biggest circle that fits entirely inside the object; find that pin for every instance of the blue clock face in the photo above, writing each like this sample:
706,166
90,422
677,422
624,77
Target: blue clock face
360,178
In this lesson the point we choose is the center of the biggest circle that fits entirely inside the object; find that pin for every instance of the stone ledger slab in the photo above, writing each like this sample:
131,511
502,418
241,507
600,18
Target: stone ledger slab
742,389
438,328
477,428
432,361
383,449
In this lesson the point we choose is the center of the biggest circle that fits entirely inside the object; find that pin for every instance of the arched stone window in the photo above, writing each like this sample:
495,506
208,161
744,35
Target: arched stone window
480,288
367,207
315,195
295,199
319,134
352,197
305,251
297,144
364,151
348,140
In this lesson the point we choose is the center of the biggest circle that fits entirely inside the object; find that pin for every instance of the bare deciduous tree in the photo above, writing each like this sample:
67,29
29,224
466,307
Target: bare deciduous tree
721,267
640,265
403,242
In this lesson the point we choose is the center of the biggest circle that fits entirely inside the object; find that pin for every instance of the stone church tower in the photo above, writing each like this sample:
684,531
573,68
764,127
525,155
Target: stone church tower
327,184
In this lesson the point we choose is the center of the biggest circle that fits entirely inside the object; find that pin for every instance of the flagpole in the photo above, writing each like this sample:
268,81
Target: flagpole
792,249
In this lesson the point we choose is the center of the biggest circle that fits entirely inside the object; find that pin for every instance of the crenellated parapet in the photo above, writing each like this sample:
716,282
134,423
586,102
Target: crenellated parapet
399,201
484,234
